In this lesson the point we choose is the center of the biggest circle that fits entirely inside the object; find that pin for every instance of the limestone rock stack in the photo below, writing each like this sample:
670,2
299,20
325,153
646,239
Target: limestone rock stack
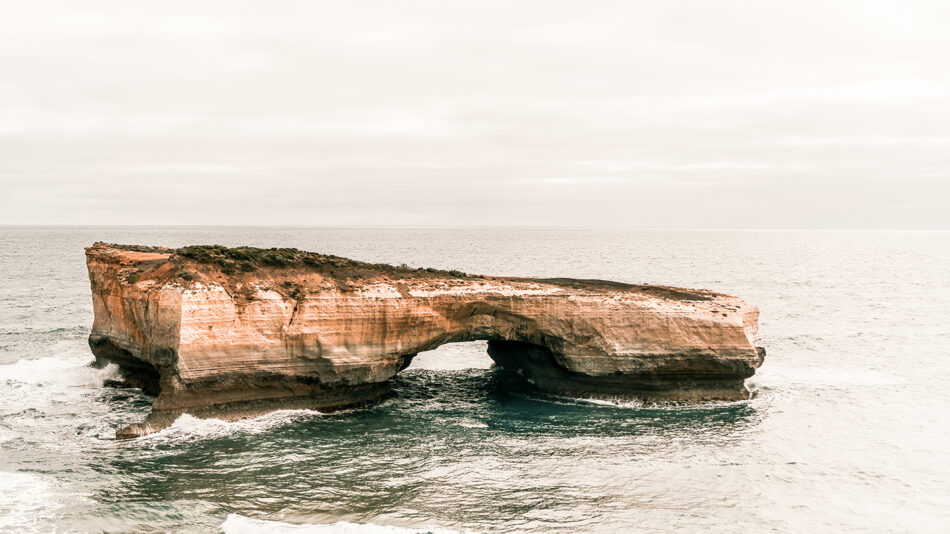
229,333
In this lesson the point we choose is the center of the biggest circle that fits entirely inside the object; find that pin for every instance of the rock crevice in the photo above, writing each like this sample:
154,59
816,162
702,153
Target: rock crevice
231,333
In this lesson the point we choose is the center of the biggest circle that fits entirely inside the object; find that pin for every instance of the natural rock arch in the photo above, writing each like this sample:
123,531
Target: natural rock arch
236,332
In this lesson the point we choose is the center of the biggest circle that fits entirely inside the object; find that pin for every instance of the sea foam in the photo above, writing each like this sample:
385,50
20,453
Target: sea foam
25,500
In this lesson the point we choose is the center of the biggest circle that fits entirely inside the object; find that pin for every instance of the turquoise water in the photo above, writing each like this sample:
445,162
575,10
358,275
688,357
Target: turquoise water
848,431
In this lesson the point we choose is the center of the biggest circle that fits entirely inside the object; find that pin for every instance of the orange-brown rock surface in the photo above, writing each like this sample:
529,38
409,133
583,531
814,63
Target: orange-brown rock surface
230,333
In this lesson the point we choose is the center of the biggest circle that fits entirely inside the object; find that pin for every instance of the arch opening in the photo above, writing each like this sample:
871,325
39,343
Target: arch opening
534,363
453,357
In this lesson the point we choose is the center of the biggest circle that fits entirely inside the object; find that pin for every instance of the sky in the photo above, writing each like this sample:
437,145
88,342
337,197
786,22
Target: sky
730,114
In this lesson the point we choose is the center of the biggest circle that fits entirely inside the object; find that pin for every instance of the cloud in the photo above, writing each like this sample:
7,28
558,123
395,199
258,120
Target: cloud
661,114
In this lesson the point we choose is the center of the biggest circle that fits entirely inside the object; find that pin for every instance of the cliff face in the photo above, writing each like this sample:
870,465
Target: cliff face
236,332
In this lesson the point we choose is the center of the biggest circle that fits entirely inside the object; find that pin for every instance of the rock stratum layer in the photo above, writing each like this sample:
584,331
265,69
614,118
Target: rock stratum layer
231,333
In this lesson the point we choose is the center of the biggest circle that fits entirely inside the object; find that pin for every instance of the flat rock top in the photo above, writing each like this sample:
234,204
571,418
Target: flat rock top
296,273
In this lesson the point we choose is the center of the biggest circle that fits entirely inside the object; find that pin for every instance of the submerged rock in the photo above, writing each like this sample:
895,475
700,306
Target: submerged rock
231,333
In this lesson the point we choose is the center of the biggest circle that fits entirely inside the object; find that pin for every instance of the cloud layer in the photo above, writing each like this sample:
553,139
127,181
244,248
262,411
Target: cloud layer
697,114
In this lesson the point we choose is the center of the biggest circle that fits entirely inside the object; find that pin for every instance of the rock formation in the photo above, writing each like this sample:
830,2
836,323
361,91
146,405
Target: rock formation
231,333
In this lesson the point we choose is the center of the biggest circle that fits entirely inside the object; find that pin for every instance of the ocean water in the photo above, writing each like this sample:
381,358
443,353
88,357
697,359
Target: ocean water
849,430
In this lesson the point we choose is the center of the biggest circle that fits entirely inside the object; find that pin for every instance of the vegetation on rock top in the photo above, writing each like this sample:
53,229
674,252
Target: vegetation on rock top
249,259
231,260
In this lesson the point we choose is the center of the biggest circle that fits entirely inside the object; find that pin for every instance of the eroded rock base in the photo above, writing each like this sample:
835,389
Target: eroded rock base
167,407
540,367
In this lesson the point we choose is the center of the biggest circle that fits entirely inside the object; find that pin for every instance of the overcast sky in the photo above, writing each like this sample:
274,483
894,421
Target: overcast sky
758,114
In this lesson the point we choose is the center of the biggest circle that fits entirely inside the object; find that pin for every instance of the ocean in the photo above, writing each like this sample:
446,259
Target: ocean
849,429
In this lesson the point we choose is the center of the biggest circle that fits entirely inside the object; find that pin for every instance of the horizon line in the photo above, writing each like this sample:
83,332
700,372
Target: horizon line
461,227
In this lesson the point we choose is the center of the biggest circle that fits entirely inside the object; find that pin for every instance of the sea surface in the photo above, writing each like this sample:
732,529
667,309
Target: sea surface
849,430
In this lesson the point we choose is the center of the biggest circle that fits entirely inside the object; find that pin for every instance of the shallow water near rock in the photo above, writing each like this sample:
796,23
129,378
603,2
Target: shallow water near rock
848,430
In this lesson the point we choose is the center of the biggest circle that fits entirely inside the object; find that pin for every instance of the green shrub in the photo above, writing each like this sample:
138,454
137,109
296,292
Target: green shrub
238,254
276,258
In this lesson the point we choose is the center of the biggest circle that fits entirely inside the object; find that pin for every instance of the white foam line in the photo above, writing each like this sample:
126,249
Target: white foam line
619,402
238,524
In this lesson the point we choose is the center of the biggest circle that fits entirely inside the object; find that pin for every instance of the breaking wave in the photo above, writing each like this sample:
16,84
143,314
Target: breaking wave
49,370
190,428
